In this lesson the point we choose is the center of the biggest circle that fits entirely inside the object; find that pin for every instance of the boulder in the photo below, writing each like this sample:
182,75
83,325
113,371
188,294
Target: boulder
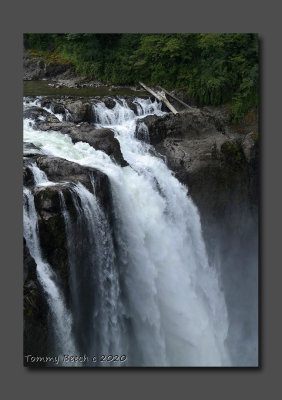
131,104
57,108
109,102
80,111
28,179
60,170
193,123
100,139
51,118
35,113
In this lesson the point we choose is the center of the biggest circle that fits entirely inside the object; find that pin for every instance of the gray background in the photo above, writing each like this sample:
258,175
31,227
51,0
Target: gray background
139,16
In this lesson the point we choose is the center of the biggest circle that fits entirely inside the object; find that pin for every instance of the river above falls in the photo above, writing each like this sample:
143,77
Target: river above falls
43,88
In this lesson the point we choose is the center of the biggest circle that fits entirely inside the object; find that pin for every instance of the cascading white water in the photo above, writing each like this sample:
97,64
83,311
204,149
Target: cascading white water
94,277
37,103
62,321
172,297
40,178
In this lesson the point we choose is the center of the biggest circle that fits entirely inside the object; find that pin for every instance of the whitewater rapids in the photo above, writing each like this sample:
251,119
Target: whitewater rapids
163,285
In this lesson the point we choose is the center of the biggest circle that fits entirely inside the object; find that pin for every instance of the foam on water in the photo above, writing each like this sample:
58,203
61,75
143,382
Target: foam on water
172,295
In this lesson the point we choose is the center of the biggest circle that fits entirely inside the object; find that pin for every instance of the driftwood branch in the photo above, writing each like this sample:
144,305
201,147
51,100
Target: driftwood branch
161,97
174,97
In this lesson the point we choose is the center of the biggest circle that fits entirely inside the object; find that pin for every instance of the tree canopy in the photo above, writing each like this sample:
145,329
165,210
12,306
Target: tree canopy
211,68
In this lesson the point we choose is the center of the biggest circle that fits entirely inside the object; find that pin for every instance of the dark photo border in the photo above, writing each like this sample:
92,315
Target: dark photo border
127,16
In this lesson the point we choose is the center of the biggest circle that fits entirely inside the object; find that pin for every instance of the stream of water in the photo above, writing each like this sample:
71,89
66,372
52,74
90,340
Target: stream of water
143,288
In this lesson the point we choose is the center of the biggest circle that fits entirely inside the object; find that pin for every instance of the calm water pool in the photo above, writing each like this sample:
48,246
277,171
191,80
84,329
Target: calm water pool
41,88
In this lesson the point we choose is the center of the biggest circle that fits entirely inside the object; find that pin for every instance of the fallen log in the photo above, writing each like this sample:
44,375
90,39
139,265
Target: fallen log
174,97
161,97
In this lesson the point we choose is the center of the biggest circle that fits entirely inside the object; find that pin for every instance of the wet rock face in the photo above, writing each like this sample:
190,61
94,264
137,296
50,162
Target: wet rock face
65,175
35,113
62,171
80,111
217,163
58,170
192,123
109,102
52,234
100,139
75,110
28,179
35,309
37,68
57,108
53,238
207,154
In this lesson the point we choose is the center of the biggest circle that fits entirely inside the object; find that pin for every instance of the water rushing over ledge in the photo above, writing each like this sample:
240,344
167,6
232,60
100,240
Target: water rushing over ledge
141,284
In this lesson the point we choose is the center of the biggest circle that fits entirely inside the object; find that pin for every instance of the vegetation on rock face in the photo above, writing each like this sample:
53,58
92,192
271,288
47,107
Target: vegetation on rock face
49,57
211,68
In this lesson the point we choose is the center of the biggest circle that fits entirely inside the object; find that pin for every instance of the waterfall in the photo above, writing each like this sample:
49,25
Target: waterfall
62,321
94,278
151,291
40,178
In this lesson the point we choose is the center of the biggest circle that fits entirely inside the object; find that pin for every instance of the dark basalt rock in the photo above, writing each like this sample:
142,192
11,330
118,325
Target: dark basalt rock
57,108
28,179
53,239
60,170
35,310
192,123
207,155
100,139
48,205
109,102
80,111
131,104
35,113
52,233
219,165
36,68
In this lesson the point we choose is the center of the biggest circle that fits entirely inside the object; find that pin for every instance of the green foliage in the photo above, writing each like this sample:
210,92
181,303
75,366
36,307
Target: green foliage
212,68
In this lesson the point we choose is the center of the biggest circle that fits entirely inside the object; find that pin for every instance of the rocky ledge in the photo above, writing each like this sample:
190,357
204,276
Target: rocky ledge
52,235
219,164
60,72
100,139
54,68
217,160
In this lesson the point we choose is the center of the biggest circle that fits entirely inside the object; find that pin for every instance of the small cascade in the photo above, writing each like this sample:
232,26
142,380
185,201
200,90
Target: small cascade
39,176
143,133
61,318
